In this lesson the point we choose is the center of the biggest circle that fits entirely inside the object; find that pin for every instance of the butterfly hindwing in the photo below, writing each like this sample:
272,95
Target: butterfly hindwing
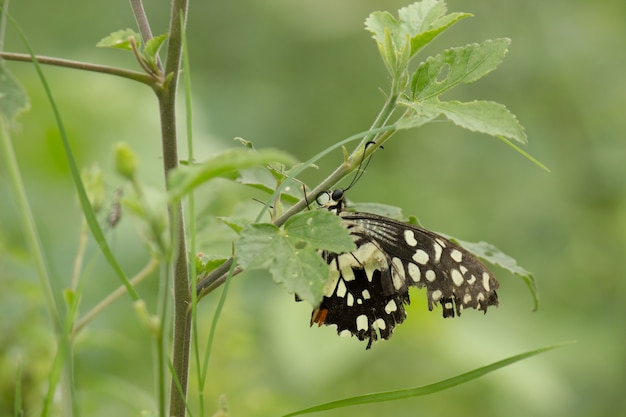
368,288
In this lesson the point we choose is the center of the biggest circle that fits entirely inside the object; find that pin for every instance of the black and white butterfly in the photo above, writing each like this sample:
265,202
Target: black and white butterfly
368,288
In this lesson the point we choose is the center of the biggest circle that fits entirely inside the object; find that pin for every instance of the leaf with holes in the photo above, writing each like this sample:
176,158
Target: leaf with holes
455,66
291,254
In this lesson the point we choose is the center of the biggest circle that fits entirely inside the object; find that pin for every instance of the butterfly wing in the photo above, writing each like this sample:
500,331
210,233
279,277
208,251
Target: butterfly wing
390,257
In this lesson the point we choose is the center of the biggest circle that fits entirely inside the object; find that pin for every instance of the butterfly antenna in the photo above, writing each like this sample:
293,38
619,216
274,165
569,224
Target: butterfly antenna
362,167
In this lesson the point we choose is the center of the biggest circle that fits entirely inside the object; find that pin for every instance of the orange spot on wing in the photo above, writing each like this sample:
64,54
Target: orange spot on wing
319,316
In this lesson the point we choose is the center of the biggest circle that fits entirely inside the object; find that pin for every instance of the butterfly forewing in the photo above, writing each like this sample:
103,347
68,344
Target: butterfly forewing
368,287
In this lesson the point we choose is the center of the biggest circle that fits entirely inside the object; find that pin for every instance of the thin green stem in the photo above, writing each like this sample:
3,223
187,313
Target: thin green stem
85,66
29,226
83,238
109,299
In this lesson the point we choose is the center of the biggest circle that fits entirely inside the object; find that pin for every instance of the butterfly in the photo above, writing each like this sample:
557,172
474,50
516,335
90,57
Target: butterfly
369,287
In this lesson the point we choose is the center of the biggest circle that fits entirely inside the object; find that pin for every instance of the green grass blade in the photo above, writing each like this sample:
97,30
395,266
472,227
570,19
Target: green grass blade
17,404
216,317
88,211
28,225
427,389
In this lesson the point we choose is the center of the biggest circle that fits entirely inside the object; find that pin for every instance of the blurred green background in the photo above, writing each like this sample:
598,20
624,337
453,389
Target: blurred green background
301,76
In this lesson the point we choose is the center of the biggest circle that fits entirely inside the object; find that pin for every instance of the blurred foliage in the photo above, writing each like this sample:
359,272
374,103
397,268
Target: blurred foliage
300,76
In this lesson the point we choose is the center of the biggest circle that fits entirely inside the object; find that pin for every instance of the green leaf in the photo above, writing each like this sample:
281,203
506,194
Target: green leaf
152,49
262,179
495,256
417,25
120,40
455,66
478,116
426,389
291,254
319,228
13,99
426,20
235,223
226,164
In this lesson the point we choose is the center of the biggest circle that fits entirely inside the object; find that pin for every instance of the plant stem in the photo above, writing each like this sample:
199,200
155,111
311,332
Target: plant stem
86,66
117,293
167,109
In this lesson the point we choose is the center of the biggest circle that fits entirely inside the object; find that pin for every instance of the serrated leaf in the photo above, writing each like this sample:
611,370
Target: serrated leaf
301,270
455,66
419,118
226,164
321,229
425,20
120,40
235,223
13,99
417,25
495,256
152,49
291,254
478,116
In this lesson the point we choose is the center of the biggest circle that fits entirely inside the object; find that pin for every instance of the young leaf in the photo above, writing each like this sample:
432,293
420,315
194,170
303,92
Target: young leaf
235,223
262,179
13,100
226,164
120,40
152,49
416,26
457,65
291,254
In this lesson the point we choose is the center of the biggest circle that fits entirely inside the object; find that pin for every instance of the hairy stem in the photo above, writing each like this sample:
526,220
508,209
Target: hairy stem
167,107
86,66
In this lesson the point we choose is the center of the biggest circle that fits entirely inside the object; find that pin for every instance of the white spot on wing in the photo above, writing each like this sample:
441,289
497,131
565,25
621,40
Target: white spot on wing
361,322
414,272
438,250
421,257
380,324
457,255
341,289
486,281
409,237
436,295
457,278
391,307
430,275
350,300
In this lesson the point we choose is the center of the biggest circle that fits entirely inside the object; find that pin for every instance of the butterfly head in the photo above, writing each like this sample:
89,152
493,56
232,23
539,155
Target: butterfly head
333,201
